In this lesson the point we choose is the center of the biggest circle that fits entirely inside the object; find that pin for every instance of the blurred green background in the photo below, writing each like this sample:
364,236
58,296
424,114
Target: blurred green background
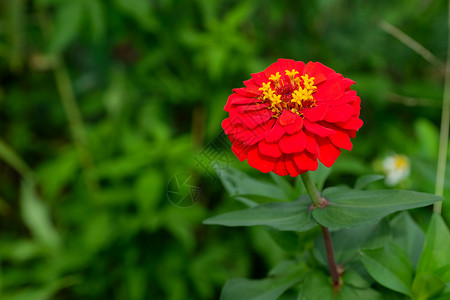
107,106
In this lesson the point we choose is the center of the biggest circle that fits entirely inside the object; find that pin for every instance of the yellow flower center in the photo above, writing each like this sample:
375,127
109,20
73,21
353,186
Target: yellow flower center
289,91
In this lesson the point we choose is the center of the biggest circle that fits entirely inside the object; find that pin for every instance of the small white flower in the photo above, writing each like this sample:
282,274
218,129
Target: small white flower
397,168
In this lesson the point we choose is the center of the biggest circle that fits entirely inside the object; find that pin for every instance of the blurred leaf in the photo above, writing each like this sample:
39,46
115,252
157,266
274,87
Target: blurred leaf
15,28
295,216
69,18
390,266
320,175
140,10
240,184
148,190
316,287
427,285
428,138
10,157
350,208
287,240
363,181
407,234
435,256
284,275
37,218
55,174
96,14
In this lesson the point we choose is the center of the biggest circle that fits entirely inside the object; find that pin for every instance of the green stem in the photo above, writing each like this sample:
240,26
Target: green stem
444,131
311,189
318,201
73,114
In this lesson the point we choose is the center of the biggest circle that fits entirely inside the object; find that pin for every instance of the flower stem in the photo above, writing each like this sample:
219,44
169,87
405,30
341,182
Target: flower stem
311,189
318,201
330,256
445,123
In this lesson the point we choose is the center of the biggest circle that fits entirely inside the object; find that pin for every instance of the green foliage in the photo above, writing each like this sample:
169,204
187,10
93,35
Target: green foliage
103,104
293,216
353,207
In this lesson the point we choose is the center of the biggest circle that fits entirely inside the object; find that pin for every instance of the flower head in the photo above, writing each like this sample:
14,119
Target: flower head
397,168
291,115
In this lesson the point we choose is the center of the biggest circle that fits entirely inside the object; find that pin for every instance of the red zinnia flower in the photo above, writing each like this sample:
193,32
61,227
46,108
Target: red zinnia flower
290,115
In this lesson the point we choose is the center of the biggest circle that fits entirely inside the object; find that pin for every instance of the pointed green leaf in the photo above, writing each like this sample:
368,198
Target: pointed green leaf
348,208
427,285
435,256
294,216
407,234
348,242
363,181
238,183
317,286
35,214
285,275
390,266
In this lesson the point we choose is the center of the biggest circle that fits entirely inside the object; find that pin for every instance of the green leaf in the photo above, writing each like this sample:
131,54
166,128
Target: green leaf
35,214
240,184
284,276
8,155
363,181
295,216
407,234
390,266
69,18
435,256
427,285
348,242
316,286
288,240
349,208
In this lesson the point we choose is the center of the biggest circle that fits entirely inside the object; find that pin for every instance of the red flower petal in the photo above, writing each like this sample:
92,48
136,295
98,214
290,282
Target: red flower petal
280,167
340,113
316,113
346,83
353,124
245,92
291,167
253,119
287,118
342,140
305,162
242,109
328,152
238,99
330,90
252,86
311,145
317,129
258,161
293,143
240,150
275,133
296,126
271,150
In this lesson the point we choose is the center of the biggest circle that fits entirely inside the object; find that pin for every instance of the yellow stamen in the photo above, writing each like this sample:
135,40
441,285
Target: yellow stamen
301,97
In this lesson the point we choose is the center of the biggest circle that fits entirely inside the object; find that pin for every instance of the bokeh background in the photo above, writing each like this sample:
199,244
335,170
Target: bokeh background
106,108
